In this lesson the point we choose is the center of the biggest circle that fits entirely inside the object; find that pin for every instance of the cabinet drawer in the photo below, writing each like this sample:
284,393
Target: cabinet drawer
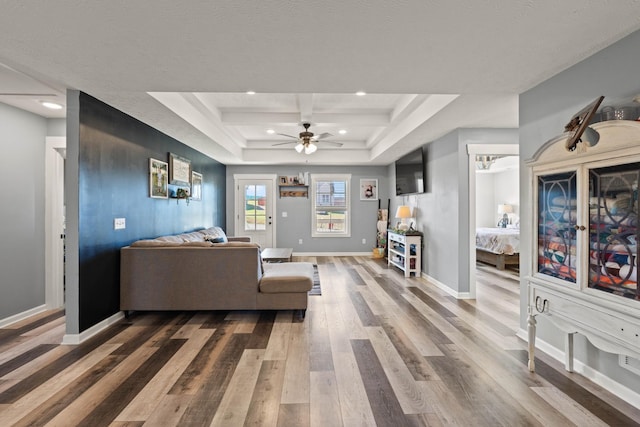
597,323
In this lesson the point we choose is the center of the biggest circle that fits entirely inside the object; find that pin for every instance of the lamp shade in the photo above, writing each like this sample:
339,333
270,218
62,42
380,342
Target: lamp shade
403,212
299,148
505,209
310,149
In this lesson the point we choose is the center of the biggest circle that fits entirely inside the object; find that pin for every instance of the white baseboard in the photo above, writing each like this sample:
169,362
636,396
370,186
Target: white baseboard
20,316
455,294
369,253
623,392
75,339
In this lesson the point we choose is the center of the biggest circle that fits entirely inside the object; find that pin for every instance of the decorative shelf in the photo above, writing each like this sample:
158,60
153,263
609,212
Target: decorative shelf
295,190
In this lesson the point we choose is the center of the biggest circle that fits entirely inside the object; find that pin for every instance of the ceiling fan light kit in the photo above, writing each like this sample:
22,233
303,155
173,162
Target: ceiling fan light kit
307,140
310,149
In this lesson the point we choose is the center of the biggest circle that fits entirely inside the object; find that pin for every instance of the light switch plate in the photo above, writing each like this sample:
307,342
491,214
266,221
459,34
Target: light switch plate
119,224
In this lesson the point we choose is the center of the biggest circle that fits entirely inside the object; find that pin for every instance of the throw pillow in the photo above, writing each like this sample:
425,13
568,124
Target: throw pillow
214,239
215,232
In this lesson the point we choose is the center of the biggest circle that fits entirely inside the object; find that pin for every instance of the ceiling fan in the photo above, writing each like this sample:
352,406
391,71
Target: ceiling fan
307,140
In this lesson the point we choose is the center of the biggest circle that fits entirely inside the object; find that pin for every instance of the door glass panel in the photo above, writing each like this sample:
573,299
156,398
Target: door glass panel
255,208
557,215
613,229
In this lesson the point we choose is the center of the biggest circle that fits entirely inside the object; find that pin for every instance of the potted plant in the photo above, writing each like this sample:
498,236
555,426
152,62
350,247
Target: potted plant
379,250
182,193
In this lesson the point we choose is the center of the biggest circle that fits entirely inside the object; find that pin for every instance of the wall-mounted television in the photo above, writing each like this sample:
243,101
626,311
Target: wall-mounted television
410,173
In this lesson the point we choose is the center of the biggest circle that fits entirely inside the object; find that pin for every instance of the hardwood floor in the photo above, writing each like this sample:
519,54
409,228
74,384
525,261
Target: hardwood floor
374,349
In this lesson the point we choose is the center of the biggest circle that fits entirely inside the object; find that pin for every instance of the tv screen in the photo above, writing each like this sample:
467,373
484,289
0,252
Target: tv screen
410,173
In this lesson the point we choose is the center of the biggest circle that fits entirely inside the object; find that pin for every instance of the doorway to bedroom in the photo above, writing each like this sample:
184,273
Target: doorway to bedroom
494,212
497,211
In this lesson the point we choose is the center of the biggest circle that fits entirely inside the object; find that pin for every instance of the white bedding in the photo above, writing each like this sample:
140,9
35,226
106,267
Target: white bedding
498,240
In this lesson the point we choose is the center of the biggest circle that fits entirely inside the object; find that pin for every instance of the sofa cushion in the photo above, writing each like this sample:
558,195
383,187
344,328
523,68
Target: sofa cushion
192,237
242,245
287,277
175,239
161,244
151,243
196,244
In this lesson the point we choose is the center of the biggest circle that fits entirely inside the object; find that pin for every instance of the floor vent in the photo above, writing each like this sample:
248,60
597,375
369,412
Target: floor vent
629,363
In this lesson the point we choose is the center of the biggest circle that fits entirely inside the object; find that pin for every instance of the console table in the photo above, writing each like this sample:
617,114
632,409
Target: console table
405,252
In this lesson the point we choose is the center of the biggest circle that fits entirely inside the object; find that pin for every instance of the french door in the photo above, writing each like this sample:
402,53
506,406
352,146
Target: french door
254,215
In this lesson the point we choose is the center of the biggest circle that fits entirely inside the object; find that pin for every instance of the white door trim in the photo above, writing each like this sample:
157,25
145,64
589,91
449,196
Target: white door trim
472,151
238,196
54,220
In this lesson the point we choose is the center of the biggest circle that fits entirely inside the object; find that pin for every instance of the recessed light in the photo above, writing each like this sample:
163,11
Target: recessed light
51,105
342,131
250,92
271,131
361,93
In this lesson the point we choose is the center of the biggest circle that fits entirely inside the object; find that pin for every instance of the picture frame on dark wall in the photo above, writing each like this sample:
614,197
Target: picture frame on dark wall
179,170
196,186
158,179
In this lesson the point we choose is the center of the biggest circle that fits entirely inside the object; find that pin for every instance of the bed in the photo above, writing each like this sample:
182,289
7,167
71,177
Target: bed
499,247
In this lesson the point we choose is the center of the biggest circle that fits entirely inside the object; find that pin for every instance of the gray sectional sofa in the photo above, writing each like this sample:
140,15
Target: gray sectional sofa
205,270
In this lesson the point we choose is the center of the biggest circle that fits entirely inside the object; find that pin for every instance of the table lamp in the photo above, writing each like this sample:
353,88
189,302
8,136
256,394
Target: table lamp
505,210
403,212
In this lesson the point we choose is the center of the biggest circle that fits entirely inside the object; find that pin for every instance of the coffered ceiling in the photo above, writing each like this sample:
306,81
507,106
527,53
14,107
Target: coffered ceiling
186,67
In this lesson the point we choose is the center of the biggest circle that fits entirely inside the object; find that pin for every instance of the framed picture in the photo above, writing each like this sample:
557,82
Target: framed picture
196,186
158,179
283,180
179,170
368,189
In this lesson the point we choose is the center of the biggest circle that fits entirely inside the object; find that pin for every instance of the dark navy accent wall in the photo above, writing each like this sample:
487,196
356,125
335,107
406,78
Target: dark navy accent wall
113,182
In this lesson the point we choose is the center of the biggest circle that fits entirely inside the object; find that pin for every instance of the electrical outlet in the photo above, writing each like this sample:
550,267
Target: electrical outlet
299,241
284,214
119,223
364,241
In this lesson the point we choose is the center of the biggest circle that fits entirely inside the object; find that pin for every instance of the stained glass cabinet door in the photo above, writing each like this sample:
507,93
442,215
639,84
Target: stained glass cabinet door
557,219
613,229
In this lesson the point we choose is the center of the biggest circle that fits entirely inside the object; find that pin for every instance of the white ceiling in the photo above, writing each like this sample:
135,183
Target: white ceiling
428,67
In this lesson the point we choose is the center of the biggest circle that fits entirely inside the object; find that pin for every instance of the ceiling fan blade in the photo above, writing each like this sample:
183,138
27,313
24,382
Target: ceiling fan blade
284,143
322,136
288,136
335,144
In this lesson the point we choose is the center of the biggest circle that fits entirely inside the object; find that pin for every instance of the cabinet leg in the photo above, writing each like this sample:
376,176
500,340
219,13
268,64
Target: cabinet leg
568,352
531,328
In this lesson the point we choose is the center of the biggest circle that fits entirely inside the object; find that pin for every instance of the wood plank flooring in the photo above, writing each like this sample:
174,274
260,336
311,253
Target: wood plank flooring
375,349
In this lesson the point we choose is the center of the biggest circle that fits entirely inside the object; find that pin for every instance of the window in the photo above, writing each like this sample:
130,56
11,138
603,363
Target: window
255,197
330,198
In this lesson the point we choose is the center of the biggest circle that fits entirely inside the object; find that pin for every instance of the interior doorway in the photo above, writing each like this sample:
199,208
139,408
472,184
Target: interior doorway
474,150
55,154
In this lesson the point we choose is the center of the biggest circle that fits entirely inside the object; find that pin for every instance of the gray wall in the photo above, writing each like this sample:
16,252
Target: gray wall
544,110
56,127
22,142
297,225
443,210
